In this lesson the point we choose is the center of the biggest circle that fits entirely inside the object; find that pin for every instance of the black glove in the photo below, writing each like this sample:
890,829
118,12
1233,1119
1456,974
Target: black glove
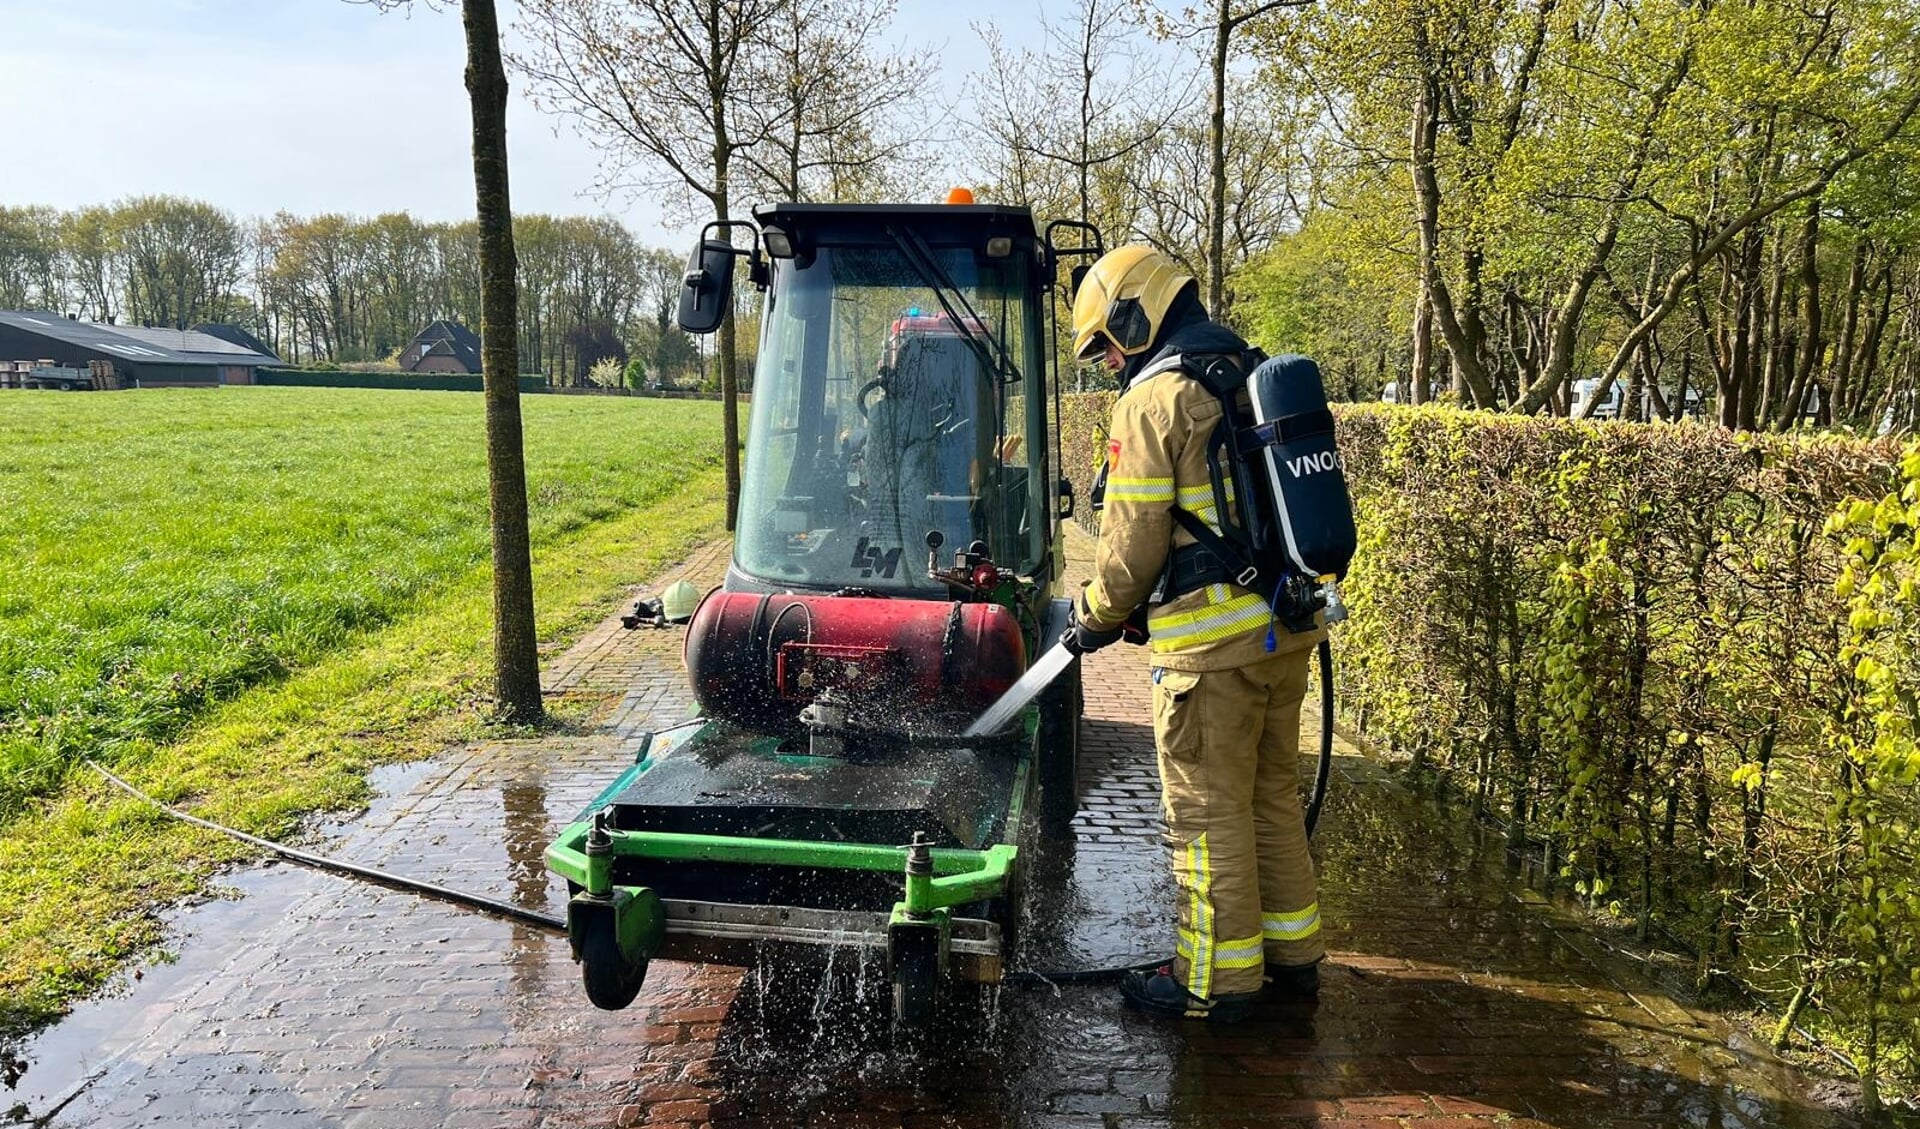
1081,639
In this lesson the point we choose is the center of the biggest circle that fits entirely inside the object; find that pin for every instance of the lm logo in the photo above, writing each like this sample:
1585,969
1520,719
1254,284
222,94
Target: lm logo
1302,465
869,559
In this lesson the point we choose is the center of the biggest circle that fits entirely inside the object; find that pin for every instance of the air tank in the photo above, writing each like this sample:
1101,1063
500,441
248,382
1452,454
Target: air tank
757,660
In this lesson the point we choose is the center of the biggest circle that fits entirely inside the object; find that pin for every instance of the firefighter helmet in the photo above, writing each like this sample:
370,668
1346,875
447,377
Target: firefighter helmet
678,602
1123,300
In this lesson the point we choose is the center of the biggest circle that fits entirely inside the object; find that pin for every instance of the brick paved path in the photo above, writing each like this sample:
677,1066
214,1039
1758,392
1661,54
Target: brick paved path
1454,998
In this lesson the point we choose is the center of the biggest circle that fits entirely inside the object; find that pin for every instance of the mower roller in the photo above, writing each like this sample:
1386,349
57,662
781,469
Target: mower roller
896,564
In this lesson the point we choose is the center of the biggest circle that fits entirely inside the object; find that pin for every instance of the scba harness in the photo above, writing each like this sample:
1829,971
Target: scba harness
1289,531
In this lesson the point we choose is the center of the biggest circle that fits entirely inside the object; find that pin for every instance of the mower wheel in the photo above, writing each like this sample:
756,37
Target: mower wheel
916,984
1059,753
611,980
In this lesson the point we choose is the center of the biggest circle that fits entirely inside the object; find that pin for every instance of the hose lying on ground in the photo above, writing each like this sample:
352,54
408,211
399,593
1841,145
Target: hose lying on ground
355,870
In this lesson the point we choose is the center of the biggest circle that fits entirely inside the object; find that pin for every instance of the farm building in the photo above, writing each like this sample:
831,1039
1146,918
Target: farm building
234,335
444,346
139,356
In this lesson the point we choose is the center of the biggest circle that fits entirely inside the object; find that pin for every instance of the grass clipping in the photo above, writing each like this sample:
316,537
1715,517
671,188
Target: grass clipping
84,874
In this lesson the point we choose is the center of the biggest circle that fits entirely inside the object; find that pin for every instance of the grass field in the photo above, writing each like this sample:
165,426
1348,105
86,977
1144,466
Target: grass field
247,598
162,551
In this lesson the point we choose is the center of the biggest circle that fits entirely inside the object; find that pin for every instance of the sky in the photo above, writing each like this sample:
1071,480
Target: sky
312,106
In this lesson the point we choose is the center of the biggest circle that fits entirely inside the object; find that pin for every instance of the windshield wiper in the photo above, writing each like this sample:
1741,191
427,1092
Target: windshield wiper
989,349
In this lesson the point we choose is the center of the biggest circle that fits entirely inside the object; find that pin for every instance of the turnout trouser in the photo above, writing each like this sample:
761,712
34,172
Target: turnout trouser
1229,746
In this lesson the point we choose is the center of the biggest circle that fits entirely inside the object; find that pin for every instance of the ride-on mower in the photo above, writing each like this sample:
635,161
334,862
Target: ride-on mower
895,565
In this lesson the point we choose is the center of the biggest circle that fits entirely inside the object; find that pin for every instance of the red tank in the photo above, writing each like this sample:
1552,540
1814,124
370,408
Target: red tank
758,660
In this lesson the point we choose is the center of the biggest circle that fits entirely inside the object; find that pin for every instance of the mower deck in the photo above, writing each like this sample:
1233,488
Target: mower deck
718,842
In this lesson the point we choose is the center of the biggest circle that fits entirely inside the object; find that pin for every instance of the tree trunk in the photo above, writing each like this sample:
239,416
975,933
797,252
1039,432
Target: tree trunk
722,211
1849,329
516,657
1217,162
1736,403
1812,344
1462,351
1422,379
1770,332
1868,362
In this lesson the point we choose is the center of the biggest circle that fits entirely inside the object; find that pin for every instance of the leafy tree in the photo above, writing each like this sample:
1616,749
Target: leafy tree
30,260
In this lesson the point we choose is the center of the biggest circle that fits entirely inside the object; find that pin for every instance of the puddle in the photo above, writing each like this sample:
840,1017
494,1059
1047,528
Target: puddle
98,1032
41,1073
1447,983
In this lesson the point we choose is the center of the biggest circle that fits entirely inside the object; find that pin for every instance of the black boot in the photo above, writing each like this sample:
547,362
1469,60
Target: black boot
1293,981
1158,993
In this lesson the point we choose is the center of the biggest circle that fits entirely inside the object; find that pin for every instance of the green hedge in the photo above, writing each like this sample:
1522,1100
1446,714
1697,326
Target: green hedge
1679,663
411,381
1083,442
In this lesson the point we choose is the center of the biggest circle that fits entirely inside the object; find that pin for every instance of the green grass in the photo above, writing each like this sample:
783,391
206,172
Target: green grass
161,552
623,488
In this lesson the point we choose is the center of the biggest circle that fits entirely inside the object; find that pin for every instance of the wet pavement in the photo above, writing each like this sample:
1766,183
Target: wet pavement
1455,996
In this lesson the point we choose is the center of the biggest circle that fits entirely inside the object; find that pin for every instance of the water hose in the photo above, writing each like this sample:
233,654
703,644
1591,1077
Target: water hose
1325,768
380,877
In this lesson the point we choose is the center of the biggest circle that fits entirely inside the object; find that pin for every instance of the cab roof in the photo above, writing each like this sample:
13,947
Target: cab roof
996,219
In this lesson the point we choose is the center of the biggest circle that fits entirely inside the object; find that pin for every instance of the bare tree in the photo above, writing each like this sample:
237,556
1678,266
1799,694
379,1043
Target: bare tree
664,88
516,657
1217,25
1170,182
840,113
1116,103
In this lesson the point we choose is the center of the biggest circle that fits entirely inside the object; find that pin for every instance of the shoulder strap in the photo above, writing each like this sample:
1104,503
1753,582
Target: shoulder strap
1245,574
1286,429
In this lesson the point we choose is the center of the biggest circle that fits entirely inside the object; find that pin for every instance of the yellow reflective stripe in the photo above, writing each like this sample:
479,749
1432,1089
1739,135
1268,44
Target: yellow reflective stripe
1200,914
1205,490
1295,926
1220,599
1191,496
1250,953
1210,624
1199,501
1140,489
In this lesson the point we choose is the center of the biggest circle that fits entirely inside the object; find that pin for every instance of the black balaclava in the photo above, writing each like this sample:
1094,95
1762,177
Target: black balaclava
1179,329
1185,310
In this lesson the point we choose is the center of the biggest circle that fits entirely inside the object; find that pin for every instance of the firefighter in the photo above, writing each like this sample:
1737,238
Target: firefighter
1226,687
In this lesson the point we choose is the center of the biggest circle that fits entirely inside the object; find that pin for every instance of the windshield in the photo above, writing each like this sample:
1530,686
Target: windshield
876,419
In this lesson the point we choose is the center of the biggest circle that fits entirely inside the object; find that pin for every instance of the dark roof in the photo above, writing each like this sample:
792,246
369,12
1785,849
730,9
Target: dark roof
234,335
450,338
861,217
136,343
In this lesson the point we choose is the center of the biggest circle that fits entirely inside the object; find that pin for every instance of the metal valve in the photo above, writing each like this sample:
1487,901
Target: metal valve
1336,608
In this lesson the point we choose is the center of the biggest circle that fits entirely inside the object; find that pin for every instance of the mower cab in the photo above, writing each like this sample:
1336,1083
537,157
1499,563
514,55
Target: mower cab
895,565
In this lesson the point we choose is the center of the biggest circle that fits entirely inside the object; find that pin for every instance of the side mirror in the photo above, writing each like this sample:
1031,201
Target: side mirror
1075,277
708,287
